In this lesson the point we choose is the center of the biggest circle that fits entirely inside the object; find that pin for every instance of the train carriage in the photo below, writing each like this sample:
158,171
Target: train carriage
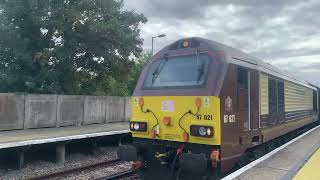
200,105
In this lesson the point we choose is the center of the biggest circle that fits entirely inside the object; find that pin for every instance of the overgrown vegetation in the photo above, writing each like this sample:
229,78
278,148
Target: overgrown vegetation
69,47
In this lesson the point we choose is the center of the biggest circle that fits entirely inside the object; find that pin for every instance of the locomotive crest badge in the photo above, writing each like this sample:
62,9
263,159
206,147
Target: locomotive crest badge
228,104
135,101
206,102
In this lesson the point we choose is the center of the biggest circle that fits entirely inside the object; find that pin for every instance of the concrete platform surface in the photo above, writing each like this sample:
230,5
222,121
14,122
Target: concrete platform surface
286,163
17,138
311,169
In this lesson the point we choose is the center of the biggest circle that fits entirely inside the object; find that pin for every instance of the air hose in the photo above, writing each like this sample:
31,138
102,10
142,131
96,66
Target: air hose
149,111
188,112
179,151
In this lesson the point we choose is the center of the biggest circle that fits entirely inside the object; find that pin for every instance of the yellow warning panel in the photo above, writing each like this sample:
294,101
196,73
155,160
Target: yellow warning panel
310,170
172,116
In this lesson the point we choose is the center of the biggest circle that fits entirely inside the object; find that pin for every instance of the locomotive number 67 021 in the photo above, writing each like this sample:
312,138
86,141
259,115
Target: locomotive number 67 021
204,117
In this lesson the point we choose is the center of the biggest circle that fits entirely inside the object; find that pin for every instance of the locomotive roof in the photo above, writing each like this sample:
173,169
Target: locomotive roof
238,57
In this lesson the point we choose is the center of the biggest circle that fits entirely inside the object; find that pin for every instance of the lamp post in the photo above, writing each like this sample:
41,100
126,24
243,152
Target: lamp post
153,37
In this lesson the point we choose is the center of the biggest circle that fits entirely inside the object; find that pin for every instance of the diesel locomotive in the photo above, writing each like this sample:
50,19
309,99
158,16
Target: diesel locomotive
200,105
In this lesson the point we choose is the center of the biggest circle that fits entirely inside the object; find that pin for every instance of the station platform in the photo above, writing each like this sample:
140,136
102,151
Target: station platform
21,140
311,169
16,138
294,160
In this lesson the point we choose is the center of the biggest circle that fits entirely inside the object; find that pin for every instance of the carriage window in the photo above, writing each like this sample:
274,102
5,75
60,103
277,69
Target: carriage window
242,78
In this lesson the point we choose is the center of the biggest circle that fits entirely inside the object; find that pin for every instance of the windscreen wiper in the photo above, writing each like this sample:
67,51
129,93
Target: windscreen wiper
158,70
200,66
200,71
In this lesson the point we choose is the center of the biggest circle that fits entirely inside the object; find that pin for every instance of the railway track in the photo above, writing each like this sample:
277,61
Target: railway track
123,174
92,167
129,173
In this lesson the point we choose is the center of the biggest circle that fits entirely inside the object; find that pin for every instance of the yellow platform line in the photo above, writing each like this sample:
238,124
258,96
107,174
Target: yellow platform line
311,170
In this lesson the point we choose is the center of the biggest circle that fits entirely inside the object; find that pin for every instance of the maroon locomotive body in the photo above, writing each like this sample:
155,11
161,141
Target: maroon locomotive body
258,104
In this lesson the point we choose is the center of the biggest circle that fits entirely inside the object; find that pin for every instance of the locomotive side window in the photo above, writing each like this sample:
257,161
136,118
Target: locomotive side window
242,78
264,99
273,102
315,103
242,89
281,113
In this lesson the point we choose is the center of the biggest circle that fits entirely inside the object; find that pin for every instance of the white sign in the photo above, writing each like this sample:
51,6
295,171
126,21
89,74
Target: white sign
229,118
167,106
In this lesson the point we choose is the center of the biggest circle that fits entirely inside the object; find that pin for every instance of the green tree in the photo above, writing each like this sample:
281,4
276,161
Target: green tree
136,70
68,46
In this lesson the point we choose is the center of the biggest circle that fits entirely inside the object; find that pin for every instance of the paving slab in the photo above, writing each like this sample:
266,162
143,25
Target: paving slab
286,163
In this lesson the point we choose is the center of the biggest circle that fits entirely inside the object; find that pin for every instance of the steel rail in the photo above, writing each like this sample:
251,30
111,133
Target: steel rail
123,174
73,170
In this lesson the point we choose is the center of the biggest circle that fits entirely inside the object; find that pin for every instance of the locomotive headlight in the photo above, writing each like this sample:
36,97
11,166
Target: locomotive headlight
136,126
131,125
202,131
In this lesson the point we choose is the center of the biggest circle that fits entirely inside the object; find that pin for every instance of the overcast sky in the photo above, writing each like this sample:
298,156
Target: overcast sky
285,33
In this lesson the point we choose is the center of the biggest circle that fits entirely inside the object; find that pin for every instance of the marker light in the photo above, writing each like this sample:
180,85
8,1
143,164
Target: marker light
209,131
198,102
185,44
141,102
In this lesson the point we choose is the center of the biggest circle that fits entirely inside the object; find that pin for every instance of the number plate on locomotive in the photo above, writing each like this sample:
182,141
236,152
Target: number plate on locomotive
167,106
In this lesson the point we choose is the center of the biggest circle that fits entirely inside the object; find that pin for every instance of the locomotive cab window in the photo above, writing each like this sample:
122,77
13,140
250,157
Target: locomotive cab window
181,71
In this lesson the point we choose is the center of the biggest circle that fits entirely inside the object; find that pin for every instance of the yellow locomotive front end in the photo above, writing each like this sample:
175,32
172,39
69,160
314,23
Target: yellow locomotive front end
192,119
175,119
